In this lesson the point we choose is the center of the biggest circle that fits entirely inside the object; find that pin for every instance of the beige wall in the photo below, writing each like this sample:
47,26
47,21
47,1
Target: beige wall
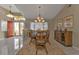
67,11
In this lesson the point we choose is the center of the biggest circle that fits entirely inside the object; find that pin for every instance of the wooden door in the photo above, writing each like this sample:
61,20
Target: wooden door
9,28
68,38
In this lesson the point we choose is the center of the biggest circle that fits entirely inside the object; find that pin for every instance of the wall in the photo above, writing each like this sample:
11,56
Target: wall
67,11
27,23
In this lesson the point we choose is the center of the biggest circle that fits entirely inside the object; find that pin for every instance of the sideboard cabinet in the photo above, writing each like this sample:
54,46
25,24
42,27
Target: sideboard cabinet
63,37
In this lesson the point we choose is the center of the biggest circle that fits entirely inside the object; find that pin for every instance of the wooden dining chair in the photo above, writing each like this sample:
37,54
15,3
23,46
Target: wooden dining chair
41,41
47,37
32,36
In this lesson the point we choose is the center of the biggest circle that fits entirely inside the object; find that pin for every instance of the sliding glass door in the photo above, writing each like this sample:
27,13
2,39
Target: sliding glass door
18,28
18,31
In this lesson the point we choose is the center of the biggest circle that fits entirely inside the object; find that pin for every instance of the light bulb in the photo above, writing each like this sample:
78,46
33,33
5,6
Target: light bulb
10,15
35,20
23,18
38,18
43,20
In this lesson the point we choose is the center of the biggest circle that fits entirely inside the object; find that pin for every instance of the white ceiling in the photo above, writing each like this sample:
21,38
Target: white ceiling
31,11
7,6
48,11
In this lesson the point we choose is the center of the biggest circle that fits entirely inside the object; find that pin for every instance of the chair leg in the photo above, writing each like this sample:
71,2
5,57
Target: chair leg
49,42
46,50
30,41
36,50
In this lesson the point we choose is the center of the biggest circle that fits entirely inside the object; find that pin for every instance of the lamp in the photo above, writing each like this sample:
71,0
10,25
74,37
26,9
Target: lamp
10,13
19,18
39,18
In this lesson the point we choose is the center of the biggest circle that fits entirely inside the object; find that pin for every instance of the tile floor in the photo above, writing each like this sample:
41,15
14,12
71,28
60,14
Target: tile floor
54,49
29,49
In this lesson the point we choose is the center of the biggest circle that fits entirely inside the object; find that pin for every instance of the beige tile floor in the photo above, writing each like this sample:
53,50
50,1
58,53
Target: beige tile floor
29,49
54,49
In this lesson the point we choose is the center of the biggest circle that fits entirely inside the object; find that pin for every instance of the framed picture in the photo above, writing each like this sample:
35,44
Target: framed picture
68,21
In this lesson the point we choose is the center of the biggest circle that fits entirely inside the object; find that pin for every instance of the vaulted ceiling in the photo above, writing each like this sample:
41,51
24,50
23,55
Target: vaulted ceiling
48,11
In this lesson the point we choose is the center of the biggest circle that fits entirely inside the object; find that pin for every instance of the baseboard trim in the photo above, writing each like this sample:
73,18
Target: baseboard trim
76,48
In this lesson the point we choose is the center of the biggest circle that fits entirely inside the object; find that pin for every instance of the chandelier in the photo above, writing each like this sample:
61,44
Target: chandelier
10,14
16,17
39,18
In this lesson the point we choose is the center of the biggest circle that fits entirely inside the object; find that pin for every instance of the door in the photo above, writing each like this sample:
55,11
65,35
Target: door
10,28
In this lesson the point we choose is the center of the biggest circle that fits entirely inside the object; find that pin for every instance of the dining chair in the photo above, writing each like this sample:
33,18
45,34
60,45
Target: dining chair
41,40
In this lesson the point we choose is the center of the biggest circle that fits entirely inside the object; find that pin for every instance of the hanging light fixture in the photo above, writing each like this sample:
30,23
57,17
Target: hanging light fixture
39,18
19,18
10,14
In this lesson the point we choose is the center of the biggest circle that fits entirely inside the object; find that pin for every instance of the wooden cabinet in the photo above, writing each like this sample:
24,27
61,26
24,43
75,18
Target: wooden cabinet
64,37
68,38
58,35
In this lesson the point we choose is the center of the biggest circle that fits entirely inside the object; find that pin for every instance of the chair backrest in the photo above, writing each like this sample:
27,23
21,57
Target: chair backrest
29,33
41,37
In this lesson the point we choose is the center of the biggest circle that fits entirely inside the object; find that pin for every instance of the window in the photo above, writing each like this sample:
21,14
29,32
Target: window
16,43
45,26
3,25
39,26
21,28
16,28
32,26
